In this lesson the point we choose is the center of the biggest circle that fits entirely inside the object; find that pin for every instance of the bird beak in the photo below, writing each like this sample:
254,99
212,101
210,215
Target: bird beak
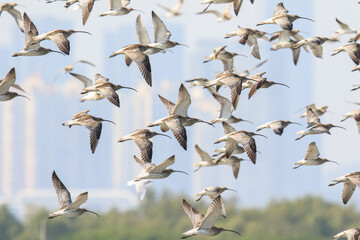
130,88
137,10
58,52
231,189
92,212
295,123
340,127
109,121
333,162
247,121
344,119
113,55
307,19
163,135
260,135
24,97
282,84
181,172
228,230
83,32
183,45
332,184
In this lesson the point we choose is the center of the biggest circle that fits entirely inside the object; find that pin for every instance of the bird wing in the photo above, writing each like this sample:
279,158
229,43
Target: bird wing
213,213
248,143
165,8
228,128
64,197
160,31
217,13
178,130
147,166
124,3
110,94
354,54
162,166
256,86
284,23
170,106
143,63
183,102
317,50
80,199
296,54
87,6
86,62
312,152
61,42
145,146
203,155
347,191
236,168
18,19
280,9
30,30
311,118
178,6
95,133
225,110
357,121
277,127
86,81
354,178
237,6
141,31
115,4
230,147
195,216
8,81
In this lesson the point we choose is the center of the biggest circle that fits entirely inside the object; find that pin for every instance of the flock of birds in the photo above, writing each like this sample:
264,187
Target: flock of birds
236,141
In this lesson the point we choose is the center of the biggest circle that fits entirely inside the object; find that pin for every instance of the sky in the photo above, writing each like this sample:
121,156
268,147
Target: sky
35,141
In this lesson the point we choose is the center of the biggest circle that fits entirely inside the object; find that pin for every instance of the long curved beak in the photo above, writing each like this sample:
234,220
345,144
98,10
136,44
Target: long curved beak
130,88
231,189
92,212
282,84
340,127
163,135
295,123
333,162
137,10
228,230
83,32
247,121
109,121
261,135
333,184
24,97
307,19
206,7
181,172
184,45
57,52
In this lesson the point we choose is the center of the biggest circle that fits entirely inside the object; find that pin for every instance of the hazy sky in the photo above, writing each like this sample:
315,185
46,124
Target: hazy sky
324,81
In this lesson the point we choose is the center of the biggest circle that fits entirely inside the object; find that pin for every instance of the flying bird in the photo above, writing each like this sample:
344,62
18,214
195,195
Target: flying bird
350,181
6,83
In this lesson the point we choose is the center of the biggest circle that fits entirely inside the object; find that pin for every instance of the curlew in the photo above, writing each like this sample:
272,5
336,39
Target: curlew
89,96
103,86
226,111
288,44
135,52
353,49
175,11
312,157
86,7
59,37
93,124
277,126
204,225
314,43
10,8
257,81
152,171
319,111
227,58
281,18
213,192
350,234
317,129
344,29
224,16
6,83
353,114
244,138
141,138
350,181
118,8
68,208
177,125
71,67
182,104
249,36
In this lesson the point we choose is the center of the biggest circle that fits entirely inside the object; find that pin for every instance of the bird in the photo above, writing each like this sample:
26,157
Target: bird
244,138
175,11
344,29
6,83
70,67
176,124
288,44
319,111
277,126
353,49
314,43
312,157
317,129
10,8
311,118
204,225
281,18
226,111
68,208
260,82
118,8
141,138
59,37
135,52
206,160
350,234
89,96
249,36
152,171
140,187
286,35
353,114
224,16
213,192
90,122
106,88
350,181
86,7
236,4
227,58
